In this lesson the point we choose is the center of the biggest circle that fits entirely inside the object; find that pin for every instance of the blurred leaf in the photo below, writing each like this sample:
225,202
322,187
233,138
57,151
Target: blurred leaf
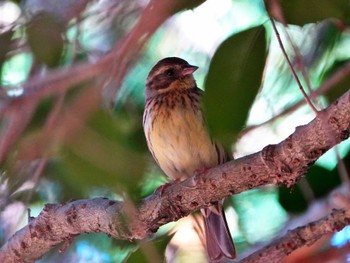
152,180
103,156
41,113
129,125
5,42
301,12
339,88
156,246
56,172
233,81
45,37
63,10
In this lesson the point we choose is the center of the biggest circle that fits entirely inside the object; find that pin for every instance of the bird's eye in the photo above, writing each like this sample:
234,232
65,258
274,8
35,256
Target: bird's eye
170,72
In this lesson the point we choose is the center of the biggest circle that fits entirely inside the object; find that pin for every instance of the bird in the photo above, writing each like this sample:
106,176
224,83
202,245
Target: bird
179,141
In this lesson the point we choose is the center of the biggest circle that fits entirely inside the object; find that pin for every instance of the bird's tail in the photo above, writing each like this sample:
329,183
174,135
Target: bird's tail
218,239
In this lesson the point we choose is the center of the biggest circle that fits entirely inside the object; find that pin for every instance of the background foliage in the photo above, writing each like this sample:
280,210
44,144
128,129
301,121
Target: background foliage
249,103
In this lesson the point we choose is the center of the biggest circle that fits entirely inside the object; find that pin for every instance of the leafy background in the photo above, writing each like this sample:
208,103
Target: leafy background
247,83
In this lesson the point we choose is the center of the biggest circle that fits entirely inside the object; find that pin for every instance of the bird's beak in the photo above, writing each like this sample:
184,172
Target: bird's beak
188,70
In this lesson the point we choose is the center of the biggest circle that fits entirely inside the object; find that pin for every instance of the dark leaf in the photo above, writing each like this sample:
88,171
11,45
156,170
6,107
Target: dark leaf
233,81
339,88
301,12
185,5
322,181
292,199
45,37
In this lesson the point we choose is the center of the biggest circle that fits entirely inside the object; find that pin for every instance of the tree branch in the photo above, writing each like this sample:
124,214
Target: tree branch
337,200
299,237
283,163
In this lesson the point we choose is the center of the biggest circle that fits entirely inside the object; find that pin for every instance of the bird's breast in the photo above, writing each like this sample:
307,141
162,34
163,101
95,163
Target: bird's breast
177,137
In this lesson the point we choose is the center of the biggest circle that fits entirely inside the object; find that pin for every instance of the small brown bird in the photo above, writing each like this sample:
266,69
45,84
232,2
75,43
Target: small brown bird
179,142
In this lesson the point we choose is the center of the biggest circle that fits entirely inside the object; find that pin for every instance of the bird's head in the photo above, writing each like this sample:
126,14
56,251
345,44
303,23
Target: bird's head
169,74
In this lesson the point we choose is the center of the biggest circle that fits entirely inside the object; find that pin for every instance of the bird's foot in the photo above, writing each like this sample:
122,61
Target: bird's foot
200,171
160,190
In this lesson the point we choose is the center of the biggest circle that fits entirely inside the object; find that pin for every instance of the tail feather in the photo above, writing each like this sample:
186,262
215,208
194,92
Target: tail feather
218,239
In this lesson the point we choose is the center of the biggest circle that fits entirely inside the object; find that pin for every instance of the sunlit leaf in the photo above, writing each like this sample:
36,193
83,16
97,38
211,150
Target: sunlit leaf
233,81
301,12
45,37
262,204
324,38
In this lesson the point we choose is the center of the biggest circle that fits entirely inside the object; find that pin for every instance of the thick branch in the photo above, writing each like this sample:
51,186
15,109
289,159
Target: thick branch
283,163
59,223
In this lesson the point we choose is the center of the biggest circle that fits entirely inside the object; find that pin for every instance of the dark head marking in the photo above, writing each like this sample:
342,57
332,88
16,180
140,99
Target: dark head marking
167,71
166,62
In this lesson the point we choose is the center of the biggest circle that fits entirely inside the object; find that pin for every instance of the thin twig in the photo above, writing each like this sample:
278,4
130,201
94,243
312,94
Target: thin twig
325,87
300,61
295,76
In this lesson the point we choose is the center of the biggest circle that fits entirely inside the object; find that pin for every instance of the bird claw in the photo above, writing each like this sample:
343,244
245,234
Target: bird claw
160,190
200,171
197,177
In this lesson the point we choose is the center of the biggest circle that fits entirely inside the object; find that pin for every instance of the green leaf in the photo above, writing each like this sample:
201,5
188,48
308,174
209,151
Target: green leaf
301,12
45,38
148,250
233,81
292,199
103,156
340,87
322,181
